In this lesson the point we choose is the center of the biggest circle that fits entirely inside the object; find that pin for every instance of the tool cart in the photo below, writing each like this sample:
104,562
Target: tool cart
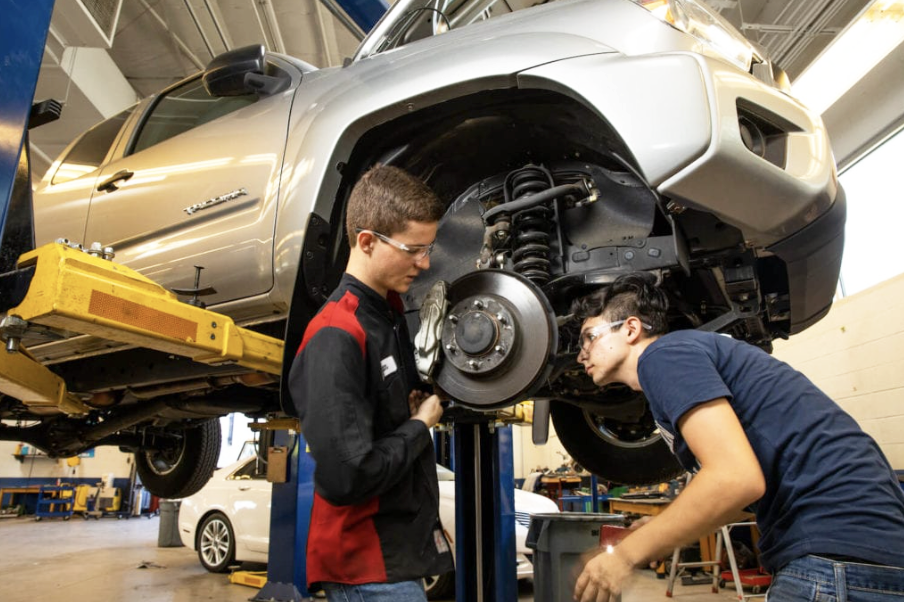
55,501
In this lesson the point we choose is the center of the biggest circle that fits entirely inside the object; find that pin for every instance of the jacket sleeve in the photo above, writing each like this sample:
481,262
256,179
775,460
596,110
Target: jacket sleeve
327,383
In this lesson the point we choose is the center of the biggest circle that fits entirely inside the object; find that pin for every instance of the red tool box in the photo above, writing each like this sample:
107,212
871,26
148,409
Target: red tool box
756,579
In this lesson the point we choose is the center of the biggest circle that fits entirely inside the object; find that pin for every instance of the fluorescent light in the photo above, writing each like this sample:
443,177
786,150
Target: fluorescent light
878,31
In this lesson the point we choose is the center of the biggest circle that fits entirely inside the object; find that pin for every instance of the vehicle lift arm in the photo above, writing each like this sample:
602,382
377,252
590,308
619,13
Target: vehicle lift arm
75,291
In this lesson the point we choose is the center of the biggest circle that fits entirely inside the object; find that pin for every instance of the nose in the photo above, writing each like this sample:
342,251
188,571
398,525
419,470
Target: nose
582,355
423,263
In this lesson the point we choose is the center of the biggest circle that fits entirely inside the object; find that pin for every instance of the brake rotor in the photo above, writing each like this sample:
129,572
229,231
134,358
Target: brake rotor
499,338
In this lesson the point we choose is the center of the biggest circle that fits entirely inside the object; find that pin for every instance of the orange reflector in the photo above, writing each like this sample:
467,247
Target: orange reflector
110,307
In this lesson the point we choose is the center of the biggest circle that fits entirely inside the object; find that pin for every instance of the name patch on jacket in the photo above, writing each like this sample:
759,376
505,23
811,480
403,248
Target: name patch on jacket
388,366
442,546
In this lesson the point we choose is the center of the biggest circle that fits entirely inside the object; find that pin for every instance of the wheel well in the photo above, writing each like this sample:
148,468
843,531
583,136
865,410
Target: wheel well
203,518
476,136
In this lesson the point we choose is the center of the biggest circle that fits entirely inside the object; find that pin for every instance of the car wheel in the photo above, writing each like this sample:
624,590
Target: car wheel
624,453
182,466
440,586
216,543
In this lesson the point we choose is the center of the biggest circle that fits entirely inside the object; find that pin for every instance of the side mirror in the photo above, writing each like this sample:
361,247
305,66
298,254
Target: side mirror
225,74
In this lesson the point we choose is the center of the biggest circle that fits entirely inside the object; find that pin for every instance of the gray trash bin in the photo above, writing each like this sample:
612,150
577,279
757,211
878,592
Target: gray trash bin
559,539
168,535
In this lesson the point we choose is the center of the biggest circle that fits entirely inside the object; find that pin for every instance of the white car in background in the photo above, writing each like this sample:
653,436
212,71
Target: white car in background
228,521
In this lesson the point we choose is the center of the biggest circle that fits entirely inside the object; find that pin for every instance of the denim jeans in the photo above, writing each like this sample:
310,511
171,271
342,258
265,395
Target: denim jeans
404,591
817,579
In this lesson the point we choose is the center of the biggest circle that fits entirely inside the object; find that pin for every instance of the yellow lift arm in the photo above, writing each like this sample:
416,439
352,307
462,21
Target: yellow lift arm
78,292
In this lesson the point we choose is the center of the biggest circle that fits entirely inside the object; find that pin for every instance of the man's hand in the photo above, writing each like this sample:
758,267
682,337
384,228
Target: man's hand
414,400
602,577
427,409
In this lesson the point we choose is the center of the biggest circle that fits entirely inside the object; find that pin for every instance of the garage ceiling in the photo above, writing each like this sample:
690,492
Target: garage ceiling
158,42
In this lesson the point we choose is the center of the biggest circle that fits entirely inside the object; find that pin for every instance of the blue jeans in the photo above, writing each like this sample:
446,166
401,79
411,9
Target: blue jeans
404,591
817,579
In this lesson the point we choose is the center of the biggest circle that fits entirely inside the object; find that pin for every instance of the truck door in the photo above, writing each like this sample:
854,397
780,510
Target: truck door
197,186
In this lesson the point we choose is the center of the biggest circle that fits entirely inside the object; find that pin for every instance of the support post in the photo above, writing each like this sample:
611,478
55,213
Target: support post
485,569
23,32
290,517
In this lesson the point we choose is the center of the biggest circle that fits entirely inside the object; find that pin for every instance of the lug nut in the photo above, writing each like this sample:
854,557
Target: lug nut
478,304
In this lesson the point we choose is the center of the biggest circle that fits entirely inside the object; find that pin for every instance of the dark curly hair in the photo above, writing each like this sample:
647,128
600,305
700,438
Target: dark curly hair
633,294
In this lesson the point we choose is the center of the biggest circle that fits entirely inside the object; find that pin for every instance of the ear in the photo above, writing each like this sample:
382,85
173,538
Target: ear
366,241
634,329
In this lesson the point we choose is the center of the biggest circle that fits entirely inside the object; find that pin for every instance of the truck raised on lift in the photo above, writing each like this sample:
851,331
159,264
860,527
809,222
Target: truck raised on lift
572,141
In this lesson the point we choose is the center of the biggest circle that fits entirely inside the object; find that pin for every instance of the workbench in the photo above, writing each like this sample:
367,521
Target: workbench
648,507
557,486
13,491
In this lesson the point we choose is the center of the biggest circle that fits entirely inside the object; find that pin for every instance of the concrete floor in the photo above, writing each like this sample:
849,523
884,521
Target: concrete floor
99,560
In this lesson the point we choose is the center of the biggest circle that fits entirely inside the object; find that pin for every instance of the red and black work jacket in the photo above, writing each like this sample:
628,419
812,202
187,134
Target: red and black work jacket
376,500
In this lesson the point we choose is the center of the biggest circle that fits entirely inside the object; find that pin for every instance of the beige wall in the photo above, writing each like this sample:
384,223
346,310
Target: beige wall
106,460
528,456
856,355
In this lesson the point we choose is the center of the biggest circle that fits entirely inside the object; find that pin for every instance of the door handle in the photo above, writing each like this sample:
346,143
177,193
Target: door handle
244,487
109,185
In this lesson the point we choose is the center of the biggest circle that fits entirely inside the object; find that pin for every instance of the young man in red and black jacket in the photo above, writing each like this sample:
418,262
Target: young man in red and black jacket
375,530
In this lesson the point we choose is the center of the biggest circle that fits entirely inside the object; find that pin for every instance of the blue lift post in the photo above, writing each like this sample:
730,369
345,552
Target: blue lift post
290,517
23,33
484,513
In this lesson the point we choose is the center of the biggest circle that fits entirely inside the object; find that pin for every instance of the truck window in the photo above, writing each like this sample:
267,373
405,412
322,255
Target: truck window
182,109
91,149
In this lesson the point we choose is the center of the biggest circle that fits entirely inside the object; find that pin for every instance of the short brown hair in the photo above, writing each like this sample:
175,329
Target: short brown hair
386,198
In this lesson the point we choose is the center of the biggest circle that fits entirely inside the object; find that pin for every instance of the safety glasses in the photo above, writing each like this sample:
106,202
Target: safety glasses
416,252
591,335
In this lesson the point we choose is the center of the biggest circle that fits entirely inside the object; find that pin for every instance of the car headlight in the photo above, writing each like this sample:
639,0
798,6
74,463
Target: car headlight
698,20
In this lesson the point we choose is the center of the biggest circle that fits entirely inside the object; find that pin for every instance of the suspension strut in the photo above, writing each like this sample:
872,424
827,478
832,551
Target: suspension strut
531,226
529,211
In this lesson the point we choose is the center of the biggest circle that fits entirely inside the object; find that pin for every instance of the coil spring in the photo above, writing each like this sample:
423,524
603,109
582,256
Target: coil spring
532,226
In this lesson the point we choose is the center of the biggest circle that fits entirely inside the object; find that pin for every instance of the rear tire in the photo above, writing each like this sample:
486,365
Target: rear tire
640,460
184,467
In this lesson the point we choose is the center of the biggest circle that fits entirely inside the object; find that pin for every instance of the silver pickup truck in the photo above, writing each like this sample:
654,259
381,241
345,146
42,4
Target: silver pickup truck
572,141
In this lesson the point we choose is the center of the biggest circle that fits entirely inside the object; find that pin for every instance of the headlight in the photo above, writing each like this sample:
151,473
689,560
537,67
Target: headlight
695,18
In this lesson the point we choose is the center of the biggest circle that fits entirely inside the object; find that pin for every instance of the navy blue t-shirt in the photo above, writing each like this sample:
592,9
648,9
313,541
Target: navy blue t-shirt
829,488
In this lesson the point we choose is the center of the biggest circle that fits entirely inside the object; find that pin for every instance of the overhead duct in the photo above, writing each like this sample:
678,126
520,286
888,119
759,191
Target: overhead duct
90,22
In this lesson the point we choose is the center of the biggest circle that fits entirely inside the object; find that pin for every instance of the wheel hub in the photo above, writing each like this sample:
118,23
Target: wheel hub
479,334
498,340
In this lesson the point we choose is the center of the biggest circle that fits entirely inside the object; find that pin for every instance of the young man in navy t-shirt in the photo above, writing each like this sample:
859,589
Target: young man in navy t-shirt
755,432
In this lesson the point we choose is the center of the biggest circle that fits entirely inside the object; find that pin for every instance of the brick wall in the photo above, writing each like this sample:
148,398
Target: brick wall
856,355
